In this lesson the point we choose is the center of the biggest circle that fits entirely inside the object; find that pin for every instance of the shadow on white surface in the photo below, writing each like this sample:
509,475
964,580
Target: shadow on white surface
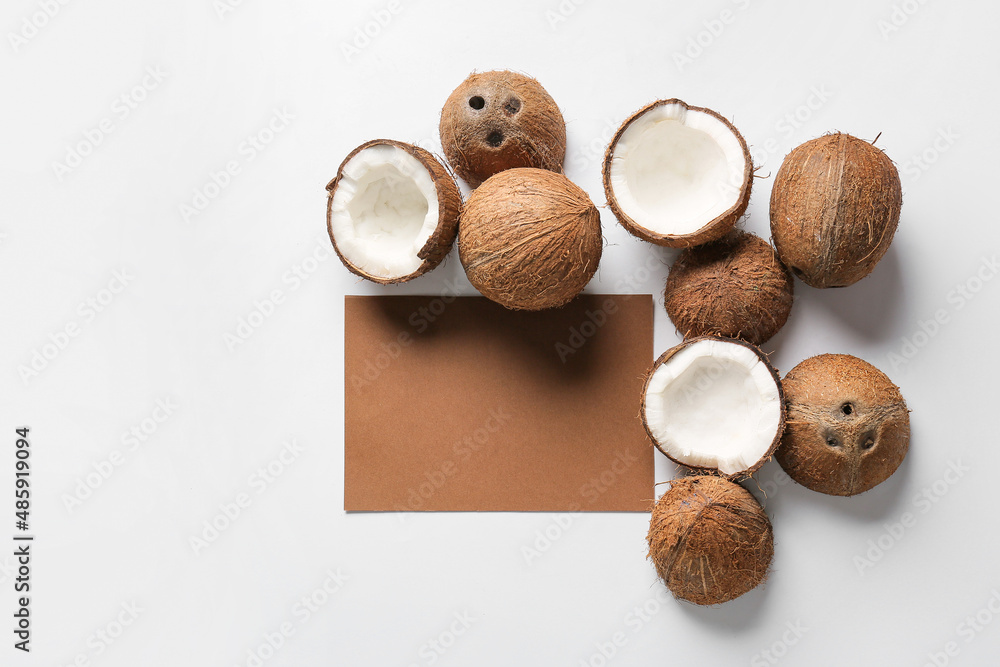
745,612
871,306
886,501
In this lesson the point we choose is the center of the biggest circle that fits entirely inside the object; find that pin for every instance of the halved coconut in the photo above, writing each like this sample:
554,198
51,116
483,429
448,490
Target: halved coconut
714,404
677,175
392,211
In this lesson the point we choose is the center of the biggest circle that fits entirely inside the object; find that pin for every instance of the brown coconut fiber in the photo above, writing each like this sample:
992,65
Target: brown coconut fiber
501,120
530,239
834,209
848,427
709,540
734,287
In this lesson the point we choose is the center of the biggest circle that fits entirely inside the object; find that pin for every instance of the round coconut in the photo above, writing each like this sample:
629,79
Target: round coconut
392,211
848,426
834,209
715,405
735,287
709,540
529,239
677,175
501,120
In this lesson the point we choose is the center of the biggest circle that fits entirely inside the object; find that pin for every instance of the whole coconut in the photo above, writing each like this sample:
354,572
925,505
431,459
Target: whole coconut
735,287
848,428
834,209
501,120
709,540
529,239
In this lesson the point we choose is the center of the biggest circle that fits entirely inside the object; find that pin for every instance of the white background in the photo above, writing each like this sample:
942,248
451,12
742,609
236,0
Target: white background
783,72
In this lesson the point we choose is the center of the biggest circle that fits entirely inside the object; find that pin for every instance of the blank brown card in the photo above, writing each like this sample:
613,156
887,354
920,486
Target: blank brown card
455,403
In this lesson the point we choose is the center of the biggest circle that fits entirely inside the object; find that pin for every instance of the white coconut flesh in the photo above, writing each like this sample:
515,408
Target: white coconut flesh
714,404
674,169
384,210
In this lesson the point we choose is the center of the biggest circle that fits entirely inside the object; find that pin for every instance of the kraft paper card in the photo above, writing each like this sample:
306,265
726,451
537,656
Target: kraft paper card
457,404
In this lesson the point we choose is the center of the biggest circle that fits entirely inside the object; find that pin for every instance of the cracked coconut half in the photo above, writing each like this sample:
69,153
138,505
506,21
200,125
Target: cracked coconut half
714,404
677,175
392,211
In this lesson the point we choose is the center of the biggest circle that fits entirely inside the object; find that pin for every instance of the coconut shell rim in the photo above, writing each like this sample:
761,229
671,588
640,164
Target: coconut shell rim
712,230
439,244
767,456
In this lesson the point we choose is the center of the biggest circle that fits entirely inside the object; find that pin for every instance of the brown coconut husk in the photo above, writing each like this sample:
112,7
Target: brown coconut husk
848,427
834,209
709,539
449,207
740,475
501,120
712,230
734,287
530,239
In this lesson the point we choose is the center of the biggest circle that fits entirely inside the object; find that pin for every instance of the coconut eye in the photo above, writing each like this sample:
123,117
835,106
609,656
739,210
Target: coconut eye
494,138
847,408
833,442
868,443
534,131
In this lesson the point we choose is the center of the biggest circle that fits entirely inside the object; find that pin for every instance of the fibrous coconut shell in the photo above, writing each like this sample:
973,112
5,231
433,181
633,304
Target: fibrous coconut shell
709,539
530,239
501,120
848,427
834,209
735,287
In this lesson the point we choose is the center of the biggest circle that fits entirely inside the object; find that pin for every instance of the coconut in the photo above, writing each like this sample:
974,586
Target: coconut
500,120
834,209
529,239
709,540
848,427
735,287
392,211
677,175
714,404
